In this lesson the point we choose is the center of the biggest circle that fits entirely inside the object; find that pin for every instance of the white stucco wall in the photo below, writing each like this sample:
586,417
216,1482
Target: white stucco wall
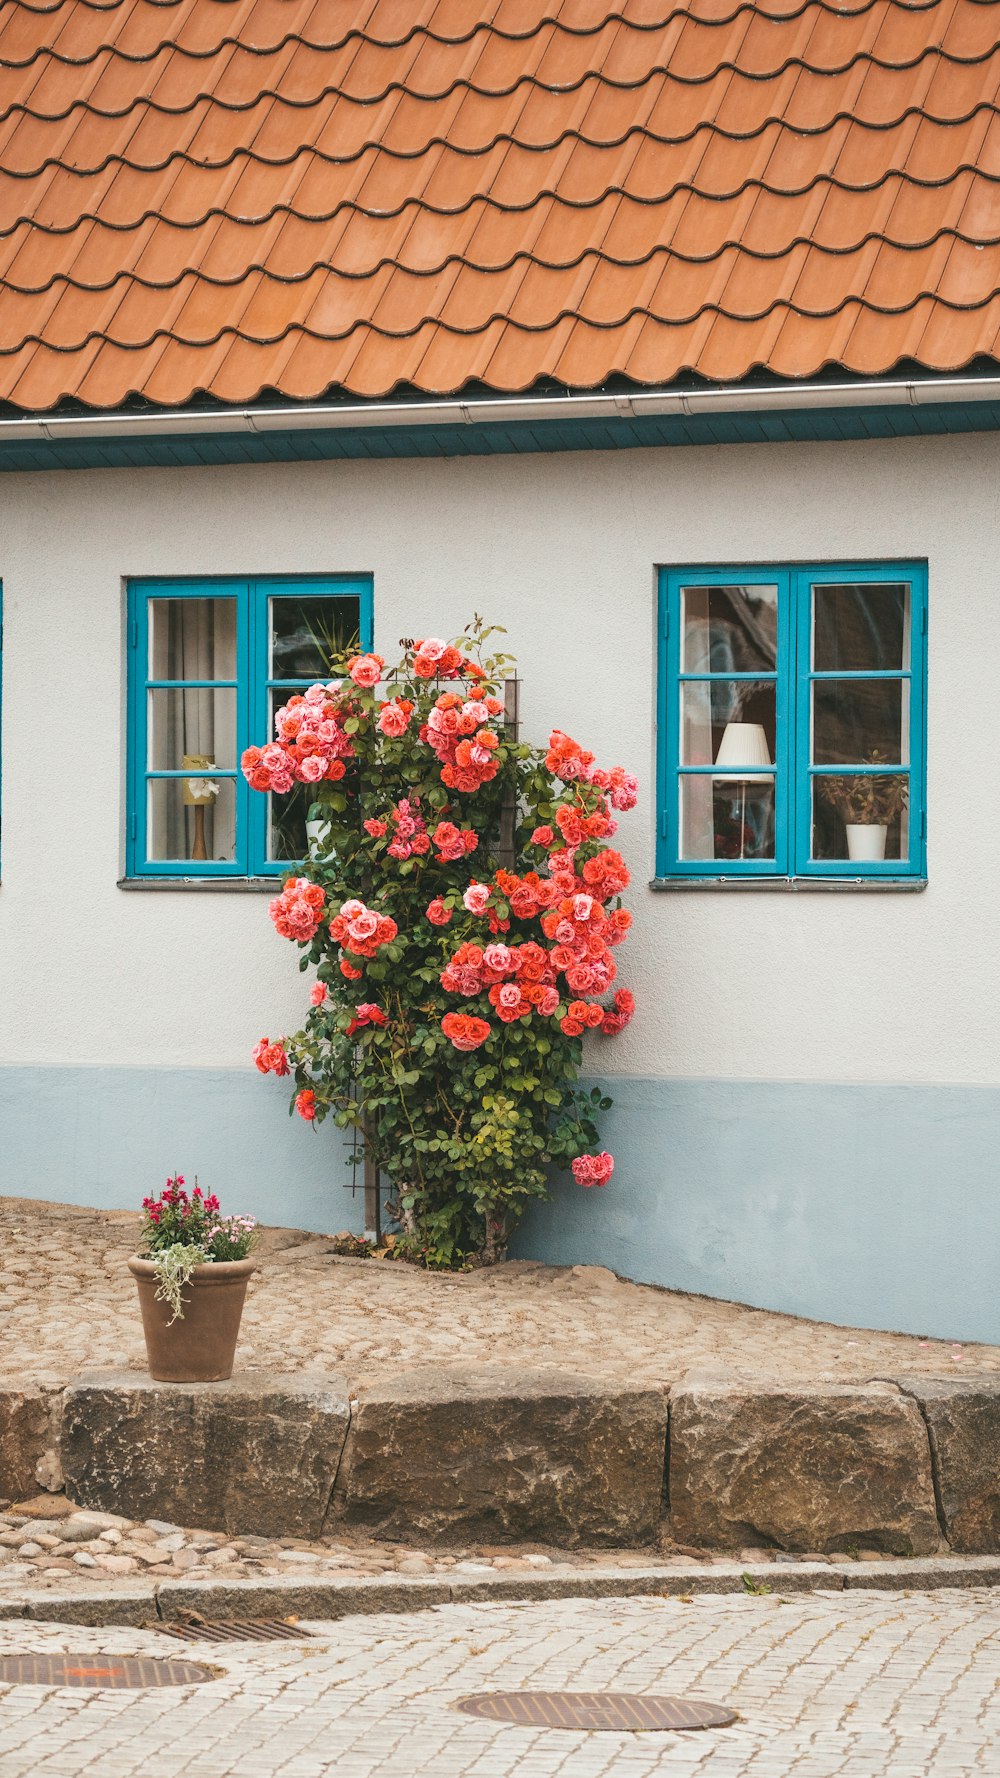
562,550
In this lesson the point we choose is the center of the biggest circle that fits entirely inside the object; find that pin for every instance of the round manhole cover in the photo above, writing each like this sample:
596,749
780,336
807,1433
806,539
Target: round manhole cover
108,1672
596,1710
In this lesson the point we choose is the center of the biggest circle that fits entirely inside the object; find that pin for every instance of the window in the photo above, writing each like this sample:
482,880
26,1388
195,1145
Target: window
209,663
792,722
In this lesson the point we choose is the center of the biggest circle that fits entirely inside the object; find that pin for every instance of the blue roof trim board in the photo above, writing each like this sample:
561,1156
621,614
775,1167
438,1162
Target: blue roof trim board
514,437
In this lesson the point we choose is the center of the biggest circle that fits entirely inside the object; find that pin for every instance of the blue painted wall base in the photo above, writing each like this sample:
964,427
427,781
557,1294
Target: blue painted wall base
108,1136
867,1205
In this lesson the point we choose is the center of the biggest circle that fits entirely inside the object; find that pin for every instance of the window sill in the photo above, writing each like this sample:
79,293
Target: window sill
799,885
214,885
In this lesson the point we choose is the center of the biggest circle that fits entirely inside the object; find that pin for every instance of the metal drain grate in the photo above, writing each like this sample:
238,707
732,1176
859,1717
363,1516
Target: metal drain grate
105,1672
187,1626
596,1710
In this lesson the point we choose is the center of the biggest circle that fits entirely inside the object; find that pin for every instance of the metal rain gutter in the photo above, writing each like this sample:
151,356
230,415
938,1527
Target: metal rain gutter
500,410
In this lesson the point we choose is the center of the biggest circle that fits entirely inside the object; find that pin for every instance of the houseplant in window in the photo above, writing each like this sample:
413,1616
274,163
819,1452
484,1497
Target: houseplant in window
462,929
192,1277
867,804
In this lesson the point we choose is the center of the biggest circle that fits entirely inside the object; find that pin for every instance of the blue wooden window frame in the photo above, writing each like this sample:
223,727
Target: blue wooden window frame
252,684
794,677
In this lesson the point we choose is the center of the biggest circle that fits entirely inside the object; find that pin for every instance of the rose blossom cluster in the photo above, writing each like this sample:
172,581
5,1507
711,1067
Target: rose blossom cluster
567,760
457,731
435,659
517,979
311,744
362,931
298,910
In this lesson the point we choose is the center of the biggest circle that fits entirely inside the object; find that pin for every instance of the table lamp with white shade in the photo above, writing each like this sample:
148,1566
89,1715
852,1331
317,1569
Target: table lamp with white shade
742,751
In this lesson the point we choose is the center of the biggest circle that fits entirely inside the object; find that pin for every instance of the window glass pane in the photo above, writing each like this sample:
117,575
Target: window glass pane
860,721
729,629
191,818
861,818
308,633
286,816
727,721
192,638
726,818
191,725
861,628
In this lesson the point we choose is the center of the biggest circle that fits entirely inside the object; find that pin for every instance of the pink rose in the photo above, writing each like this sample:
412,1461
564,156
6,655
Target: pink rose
433,648
351,909
366,670
582,907
548,1003
509,995
318,994
565,933
315,695
311,770
363,926
498,958
393,721
476,897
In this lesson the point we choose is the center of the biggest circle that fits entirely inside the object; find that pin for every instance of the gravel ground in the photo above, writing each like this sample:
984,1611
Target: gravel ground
67,1304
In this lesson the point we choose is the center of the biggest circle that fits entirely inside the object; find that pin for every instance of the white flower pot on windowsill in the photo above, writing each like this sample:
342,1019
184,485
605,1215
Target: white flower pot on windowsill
865,842
318,839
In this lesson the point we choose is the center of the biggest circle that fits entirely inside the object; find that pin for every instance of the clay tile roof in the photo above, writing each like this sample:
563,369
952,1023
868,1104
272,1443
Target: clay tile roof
224,198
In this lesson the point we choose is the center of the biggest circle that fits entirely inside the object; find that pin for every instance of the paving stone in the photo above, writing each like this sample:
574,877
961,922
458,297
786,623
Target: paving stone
441,1453
821,1466
963,1419
255,1454
842,1686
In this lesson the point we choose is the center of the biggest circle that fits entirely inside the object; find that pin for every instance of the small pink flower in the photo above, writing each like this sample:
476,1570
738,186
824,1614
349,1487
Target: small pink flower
311,770
593,1169
433,648
509,995
476,898
363,926
318,994
498,958
582,907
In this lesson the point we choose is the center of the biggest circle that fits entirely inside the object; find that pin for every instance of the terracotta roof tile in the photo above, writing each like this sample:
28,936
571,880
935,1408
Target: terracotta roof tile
227,196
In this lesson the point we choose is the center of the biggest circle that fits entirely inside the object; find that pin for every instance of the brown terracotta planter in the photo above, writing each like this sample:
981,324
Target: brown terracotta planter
201,1346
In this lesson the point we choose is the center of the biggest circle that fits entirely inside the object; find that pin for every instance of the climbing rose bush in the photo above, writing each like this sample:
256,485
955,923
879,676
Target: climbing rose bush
463,926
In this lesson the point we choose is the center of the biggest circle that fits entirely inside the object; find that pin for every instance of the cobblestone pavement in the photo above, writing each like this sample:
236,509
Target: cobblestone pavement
308,1310
877,1686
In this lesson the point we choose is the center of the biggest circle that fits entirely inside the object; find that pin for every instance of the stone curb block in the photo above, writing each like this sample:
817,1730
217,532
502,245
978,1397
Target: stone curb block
963,1424
804,1467
257,1454
313,1599
28,1434
487,1453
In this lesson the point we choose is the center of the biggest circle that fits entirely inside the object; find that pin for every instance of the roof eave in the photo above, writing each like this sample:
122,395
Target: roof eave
500,410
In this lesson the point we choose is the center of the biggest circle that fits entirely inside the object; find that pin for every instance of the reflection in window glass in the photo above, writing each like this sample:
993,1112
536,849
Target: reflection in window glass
307,634
861,629
729,629
856,719
192,639
727,818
